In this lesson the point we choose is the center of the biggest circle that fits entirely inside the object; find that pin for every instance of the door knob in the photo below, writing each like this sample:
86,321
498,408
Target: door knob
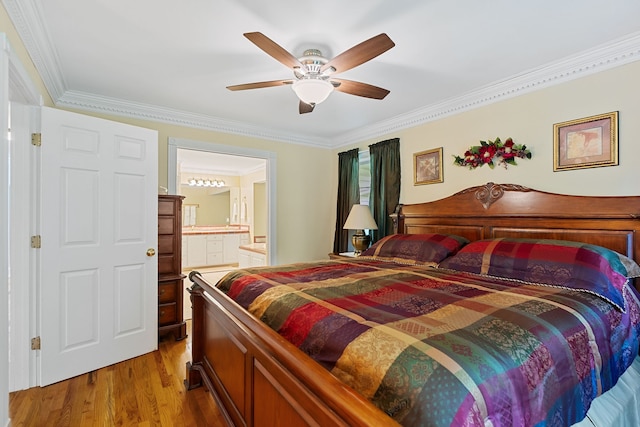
151,252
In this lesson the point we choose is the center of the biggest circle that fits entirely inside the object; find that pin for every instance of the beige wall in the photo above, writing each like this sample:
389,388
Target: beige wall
248,199
260,213
529,120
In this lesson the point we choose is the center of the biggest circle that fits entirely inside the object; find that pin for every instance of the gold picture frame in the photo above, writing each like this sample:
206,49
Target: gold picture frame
427,167
590,142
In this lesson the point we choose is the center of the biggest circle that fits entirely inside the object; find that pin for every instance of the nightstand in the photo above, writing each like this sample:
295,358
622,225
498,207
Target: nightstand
342,255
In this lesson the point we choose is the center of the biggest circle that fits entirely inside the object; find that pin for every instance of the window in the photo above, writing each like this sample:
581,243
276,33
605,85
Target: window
364,174
364,181
342,242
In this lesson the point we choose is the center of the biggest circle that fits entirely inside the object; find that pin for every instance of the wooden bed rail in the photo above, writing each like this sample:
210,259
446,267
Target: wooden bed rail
257,378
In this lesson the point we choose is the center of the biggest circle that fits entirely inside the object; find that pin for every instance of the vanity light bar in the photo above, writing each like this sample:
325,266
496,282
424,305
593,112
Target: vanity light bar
206,183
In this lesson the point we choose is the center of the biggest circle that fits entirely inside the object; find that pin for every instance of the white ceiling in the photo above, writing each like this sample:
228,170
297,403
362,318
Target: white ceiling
171,61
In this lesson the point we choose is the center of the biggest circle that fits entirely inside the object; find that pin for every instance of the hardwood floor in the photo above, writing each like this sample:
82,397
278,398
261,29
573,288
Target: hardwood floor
145,391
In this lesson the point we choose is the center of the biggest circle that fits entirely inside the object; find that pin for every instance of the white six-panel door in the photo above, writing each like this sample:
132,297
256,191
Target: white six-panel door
98,283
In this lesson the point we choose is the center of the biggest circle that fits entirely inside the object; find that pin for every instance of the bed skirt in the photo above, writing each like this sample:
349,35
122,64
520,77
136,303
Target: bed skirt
620,406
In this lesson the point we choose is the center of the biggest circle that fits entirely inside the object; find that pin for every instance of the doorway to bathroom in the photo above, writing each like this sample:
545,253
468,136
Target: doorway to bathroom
228,219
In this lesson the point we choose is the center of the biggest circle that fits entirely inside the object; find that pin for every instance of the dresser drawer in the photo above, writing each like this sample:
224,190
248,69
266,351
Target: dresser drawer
166,207
167,313
166,243
167,291
166,264
166,225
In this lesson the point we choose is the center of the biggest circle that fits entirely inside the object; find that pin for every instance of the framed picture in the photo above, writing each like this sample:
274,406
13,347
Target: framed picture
586,143
427,167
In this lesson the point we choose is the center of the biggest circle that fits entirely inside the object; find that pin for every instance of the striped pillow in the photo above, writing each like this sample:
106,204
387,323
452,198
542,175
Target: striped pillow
415,249
565,264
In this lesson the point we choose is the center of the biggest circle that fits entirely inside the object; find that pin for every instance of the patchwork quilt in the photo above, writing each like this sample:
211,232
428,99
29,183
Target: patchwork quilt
435,347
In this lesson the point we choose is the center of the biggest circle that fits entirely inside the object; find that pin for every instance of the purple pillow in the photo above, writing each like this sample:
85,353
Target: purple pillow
415,249
560,263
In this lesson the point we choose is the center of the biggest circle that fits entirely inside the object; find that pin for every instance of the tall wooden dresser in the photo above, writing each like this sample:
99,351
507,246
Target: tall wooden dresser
170,277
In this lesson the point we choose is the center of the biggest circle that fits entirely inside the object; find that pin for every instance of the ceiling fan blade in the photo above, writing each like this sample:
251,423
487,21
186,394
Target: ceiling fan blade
359,54
305,108
258,85
360,89
273,49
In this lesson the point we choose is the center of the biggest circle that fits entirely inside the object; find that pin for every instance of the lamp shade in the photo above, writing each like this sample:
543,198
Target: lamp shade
312,91
360,218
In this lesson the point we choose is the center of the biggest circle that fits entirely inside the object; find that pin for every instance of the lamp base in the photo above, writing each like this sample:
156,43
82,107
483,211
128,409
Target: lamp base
360,242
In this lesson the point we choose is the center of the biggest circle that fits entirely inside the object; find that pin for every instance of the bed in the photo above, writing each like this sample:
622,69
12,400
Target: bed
453,365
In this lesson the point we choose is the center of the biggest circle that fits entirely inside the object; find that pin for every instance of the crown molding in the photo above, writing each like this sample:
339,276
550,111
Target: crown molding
26,17
118,107
614,54
617,53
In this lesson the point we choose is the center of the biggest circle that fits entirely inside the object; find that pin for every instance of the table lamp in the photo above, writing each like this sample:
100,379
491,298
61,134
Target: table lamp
359,219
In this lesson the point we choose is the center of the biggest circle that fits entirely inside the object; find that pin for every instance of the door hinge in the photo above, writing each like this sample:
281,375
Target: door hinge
36,139
35,343
36,242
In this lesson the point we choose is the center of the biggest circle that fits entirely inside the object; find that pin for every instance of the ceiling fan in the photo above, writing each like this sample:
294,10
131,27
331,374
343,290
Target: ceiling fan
313,74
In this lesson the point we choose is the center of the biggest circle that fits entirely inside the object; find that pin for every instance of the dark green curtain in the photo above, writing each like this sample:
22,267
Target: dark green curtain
385,184
348,195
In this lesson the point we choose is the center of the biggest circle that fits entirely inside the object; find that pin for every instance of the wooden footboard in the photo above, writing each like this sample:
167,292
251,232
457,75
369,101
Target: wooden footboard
259,379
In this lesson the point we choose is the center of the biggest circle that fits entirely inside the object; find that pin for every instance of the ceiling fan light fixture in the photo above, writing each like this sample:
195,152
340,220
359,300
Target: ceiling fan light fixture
312,91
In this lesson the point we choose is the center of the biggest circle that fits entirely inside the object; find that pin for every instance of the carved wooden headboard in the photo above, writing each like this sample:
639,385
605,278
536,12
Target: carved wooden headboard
508,210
